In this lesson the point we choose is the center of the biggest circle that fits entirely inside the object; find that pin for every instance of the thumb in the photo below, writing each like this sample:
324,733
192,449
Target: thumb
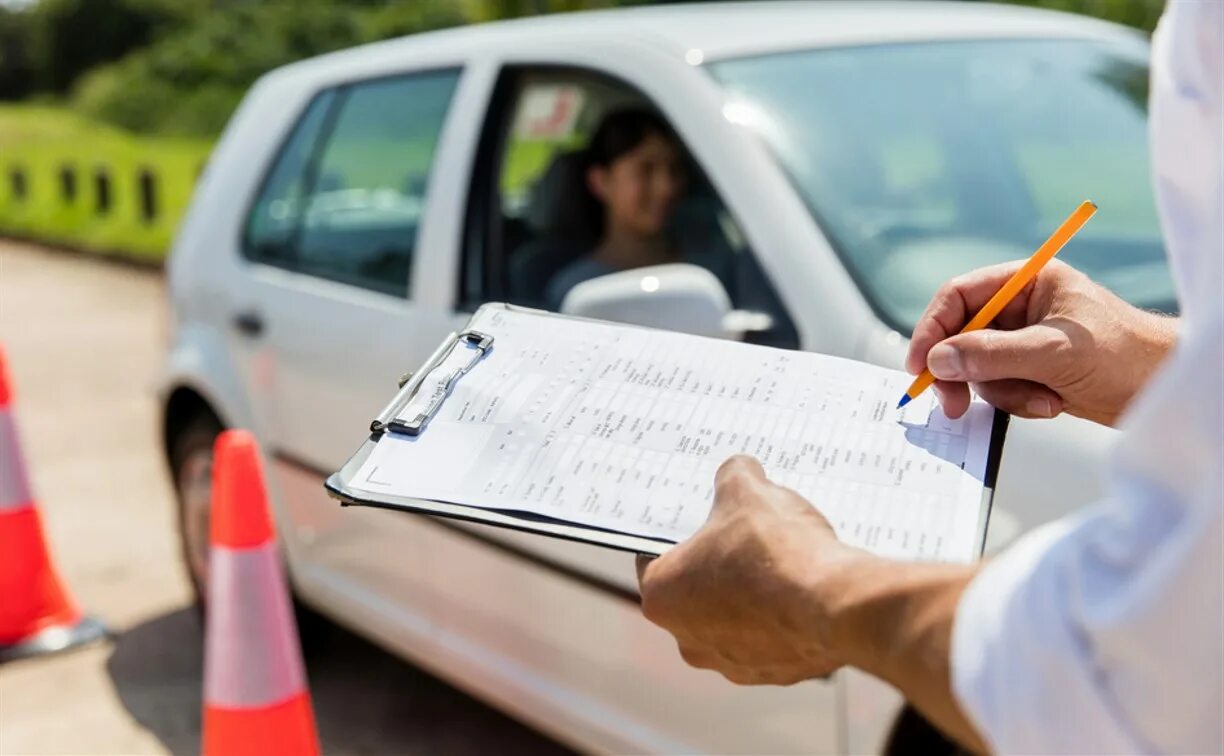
1031,353
739,482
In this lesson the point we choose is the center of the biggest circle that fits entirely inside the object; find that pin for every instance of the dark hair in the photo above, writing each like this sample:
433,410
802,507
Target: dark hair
621,131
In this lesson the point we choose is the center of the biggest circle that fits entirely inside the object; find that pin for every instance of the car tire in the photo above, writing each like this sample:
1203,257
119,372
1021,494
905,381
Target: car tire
191,453
191,473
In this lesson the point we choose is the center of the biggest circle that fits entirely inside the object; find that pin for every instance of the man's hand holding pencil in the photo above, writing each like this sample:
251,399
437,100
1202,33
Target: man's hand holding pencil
1063,344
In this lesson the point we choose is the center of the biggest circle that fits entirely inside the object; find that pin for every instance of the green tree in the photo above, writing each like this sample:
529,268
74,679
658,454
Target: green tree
189,81
16,68
181,66
1141,14
68,37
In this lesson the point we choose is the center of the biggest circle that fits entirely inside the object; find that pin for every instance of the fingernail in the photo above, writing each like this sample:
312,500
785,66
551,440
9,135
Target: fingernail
944,361
1040,407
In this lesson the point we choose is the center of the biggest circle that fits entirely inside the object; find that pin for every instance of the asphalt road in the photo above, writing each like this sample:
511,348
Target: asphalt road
84,340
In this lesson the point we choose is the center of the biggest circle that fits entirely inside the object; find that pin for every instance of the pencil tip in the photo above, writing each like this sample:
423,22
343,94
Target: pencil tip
904,401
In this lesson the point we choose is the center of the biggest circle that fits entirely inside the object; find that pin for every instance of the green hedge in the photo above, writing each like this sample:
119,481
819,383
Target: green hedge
40,144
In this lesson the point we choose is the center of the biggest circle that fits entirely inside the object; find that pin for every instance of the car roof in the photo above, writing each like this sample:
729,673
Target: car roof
723,30
737,29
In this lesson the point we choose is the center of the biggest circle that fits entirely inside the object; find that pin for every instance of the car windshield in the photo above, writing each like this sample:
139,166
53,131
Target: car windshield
923,161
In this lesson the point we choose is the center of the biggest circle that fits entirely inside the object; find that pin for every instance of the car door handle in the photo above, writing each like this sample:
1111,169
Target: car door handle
249,323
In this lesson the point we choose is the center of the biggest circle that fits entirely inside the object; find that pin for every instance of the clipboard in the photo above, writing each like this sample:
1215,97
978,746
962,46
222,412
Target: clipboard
388,419
481,344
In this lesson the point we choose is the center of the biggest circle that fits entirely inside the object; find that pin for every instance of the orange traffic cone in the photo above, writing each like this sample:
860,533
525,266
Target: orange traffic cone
255,696
37,614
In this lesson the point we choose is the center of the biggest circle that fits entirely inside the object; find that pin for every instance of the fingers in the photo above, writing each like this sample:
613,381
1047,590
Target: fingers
741,483
641,563
1021,398
656,583
737,467
1014,396
953,397
738,483
954,304
1034,353
699,658
782,674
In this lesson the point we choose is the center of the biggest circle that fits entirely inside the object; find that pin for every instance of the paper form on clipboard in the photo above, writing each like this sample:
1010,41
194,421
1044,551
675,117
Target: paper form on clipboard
618,430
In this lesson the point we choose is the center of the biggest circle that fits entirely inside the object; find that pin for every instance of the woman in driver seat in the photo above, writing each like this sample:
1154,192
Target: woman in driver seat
635,172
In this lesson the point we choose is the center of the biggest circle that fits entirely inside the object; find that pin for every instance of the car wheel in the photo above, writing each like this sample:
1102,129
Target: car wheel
191,457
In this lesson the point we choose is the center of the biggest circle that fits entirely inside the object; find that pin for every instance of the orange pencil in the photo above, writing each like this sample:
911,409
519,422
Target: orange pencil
1018,281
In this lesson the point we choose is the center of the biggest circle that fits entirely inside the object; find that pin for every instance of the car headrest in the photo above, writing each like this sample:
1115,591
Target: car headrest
560,204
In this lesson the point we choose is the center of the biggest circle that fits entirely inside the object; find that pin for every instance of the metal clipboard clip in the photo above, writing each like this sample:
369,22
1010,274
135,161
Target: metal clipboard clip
388,419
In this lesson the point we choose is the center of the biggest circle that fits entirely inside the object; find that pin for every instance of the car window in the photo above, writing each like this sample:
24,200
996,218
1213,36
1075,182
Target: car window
922,161
351,212
549,224
547,120
272,222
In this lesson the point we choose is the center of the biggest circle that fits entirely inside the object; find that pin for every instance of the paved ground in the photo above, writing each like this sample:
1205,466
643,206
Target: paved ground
84,339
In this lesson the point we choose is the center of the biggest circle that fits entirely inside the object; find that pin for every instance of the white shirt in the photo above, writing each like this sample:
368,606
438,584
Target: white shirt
1104,632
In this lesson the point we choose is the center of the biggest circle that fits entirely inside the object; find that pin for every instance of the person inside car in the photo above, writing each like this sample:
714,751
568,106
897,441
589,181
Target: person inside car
636,175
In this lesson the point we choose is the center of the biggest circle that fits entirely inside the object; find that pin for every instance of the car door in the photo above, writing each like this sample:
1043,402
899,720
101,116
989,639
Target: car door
326,314
521,222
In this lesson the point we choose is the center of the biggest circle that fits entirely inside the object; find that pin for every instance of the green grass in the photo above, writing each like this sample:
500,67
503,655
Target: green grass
40,142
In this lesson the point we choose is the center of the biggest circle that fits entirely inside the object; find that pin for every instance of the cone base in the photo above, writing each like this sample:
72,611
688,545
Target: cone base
54,639
286,728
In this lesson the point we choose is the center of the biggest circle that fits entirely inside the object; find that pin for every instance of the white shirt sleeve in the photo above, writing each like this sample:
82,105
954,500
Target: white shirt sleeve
1104,632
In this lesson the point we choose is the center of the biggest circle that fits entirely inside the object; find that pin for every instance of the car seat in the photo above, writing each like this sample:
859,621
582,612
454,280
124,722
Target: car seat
564,224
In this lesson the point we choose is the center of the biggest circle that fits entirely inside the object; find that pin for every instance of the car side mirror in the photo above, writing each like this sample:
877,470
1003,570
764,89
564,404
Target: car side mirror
677,297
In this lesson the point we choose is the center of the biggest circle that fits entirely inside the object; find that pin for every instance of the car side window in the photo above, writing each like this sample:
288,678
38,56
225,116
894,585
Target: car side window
550,231
273,221
352,210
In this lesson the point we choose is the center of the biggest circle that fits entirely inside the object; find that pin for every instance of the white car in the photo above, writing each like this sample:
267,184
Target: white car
845,158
